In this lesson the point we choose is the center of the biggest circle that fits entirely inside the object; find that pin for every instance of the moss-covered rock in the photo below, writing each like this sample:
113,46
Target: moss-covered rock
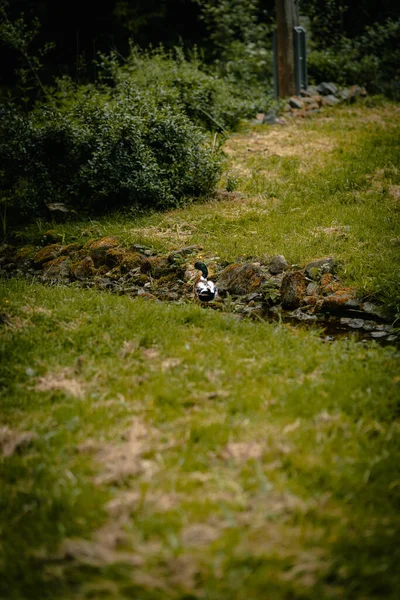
293,289
47,253
70,249
98,249
155,266
58,268
241,279
83,268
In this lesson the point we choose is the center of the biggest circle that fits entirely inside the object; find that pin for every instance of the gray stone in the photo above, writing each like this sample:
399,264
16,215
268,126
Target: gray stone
295,102
318,267
312,288
310,91
327,88
379,334
344,94
277,264
269,118
293,289
372,309
330,100
302,316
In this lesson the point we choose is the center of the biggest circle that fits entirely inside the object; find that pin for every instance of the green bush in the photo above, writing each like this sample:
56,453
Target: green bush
97,154
372,60
215,102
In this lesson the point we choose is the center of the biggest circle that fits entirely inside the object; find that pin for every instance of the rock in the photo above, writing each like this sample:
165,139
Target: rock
353,323
293,289
47,253
312,288
310,91
326,89
319,266
70,249
58,211
295,102
344,94
330,100
311,103
240,279
155,266
355,91
58,268
179,255
372,310
52,236
269,118
302,316
98,249
337,303
277,264
379,334
83,268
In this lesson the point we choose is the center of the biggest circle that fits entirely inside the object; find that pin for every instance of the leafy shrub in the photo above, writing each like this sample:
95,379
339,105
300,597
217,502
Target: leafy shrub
97,154
240,39
215,102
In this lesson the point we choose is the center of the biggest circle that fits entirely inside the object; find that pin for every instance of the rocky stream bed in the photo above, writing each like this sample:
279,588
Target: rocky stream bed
264,287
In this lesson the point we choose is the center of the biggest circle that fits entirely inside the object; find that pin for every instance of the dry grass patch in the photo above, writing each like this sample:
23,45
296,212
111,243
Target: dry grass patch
12,441
64,381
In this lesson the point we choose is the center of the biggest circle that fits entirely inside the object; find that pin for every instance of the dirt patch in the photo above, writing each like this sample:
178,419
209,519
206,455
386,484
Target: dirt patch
60,382
12,441
125,458
242,451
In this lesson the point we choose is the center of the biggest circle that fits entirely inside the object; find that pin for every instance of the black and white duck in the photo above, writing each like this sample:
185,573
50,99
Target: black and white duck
204,289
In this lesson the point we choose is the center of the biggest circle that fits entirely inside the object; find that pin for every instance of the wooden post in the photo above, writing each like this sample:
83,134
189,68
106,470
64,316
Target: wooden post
287,17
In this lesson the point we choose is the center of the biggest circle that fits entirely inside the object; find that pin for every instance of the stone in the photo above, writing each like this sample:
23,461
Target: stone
310,91
277,264
295,102
353,323
155,266
355,91
70,249
58,211
58,268
372,310
337,303
379,334
270,118
327,88
240,279
319,266
330,100
312,288
83,268
293,289
179,255
47,253
344,94
98,249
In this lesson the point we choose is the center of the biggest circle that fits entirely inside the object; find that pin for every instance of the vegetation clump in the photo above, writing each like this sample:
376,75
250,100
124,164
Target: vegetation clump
98,153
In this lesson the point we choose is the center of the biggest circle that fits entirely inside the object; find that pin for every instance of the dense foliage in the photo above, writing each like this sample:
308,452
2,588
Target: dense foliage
127,124
99,153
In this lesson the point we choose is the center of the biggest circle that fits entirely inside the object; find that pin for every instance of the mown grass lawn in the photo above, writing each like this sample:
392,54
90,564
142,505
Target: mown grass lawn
161,451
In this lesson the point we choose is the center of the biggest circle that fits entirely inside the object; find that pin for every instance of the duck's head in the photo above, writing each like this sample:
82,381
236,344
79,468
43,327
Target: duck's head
200,266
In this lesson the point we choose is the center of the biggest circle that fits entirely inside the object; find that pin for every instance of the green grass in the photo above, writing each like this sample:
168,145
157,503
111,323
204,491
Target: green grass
272,457
339,172
183,454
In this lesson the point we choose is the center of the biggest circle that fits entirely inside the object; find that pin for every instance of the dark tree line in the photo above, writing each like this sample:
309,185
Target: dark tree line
80,30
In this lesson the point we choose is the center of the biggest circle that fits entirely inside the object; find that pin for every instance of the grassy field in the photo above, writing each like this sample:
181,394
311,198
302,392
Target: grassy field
156,451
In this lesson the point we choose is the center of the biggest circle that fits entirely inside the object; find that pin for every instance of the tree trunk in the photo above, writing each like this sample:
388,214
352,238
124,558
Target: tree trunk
287,17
